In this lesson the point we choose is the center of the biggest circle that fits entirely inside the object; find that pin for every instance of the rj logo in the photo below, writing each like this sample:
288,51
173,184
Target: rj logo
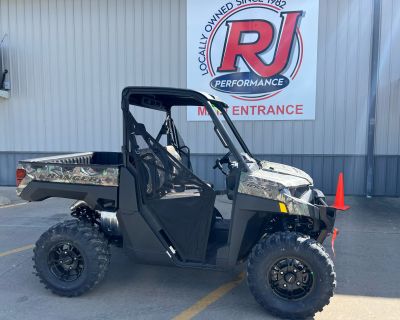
235,48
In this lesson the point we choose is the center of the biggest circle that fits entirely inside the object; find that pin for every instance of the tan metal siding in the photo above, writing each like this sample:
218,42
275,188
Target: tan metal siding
70,60
388,104
387,137
342,91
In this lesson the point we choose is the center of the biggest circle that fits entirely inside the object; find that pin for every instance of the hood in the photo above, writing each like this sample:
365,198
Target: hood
285,175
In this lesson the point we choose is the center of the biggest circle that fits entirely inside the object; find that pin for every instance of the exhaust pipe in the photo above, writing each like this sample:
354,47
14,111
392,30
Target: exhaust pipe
107,220
109,223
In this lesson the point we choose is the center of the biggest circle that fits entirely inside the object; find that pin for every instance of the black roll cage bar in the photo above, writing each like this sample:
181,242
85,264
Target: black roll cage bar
163,99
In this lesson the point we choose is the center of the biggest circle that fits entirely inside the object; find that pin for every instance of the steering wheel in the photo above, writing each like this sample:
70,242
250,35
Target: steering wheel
220,162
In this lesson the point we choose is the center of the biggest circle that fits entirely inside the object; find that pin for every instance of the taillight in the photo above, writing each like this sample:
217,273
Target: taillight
20,175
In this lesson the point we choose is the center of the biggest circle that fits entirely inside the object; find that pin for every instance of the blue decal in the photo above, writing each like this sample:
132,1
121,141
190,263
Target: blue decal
248,83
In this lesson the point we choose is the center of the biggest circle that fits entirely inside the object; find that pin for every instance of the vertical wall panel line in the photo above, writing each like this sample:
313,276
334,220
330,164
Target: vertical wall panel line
372,97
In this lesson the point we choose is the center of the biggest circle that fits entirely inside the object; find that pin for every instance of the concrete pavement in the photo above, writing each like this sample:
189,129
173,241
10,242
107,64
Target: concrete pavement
367,262
8,196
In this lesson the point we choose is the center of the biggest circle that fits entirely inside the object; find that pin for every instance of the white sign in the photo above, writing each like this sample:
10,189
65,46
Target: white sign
259,56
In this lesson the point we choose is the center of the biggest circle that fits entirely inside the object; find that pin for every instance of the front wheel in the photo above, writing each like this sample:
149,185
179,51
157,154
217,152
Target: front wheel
71,257
291,275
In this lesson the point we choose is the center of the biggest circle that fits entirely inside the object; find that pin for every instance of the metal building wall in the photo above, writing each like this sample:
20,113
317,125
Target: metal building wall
70,59
387,139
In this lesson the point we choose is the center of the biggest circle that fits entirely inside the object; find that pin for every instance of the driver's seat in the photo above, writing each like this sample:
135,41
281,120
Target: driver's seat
172,151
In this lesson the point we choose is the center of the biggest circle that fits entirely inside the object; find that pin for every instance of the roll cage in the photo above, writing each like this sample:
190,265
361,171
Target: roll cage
163,99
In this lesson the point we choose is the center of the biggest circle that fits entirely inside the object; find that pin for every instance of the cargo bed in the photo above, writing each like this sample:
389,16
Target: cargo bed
91,176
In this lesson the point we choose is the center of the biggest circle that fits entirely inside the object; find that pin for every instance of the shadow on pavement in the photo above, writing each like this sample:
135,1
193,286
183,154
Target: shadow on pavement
367,260
367,251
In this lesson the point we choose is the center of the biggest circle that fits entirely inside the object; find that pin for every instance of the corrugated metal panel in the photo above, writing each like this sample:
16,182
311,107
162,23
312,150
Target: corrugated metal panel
8,162
323,169
387,176
388,103
342,90
70,60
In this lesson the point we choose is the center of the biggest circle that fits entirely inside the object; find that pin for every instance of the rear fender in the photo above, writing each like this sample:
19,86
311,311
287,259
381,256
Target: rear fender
96,197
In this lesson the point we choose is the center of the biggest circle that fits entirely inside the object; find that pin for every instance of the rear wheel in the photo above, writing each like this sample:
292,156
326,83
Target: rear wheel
71,257
291,275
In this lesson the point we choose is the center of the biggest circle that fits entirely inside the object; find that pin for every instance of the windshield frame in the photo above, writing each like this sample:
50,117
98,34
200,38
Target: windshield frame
217,122
232,126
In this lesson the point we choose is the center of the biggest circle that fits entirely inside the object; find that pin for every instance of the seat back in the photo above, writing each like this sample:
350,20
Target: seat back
172,151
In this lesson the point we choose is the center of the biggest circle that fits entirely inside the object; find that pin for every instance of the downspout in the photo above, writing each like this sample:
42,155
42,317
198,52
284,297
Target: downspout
372,99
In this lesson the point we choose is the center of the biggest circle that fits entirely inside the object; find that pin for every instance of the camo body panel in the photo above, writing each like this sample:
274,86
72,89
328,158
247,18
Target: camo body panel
269,185
286,175
296,206
255,184
62,173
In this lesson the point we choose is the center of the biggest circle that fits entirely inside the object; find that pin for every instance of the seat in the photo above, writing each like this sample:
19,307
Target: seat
172,151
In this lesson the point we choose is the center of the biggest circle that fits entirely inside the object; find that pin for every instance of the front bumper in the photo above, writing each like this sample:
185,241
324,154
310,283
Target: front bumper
327,215
312,204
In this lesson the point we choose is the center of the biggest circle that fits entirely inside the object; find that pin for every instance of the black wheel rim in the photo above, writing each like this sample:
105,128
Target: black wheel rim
65,262
291,278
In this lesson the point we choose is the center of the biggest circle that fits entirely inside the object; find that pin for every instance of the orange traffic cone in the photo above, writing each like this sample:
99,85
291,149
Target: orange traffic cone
339,199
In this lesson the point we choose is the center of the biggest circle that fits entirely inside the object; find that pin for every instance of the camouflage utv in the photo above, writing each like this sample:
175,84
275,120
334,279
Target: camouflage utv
148,200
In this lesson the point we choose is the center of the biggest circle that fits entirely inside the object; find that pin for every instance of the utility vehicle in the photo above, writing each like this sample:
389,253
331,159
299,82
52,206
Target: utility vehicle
148,200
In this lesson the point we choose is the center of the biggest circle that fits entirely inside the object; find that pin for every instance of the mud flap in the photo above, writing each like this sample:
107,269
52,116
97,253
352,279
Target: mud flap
334,236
